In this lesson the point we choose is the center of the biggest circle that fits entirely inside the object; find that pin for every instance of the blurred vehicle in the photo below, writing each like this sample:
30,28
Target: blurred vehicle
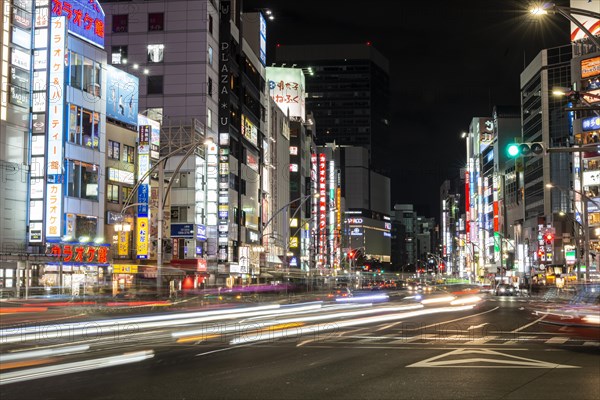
579,318
505,290
340,292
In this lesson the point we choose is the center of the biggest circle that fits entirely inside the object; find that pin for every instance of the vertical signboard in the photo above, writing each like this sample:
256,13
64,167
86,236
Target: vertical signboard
263,40
314,202
223,129
331,204
322,203
54,147
212,196
143,199
38,127
142,237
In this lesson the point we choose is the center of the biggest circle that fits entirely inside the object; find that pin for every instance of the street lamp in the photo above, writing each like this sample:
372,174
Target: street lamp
301,200
585,223
189,149
541,9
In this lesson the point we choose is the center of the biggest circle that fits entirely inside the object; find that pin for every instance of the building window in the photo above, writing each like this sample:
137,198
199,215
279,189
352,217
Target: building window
156,21
179,214
112,193
120,23
210,55
82,180
119,54
180,180
209,118
210,89
6,277
114,149
127,191
128,153
155,84
210,24
85,74
156,53
91,77
83,127
86,226
76,76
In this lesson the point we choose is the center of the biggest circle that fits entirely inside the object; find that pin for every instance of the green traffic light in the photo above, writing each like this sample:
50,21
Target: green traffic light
513,150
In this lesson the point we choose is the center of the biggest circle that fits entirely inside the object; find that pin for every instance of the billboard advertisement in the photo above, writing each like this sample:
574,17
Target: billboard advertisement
122,95
85,19
286,87
590,23
153,135
142,237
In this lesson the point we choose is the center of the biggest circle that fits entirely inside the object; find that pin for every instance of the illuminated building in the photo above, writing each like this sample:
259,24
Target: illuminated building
348,93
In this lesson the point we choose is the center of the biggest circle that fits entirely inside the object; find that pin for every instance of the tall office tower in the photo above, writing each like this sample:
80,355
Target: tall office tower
404,243
348,93
545,120
204,80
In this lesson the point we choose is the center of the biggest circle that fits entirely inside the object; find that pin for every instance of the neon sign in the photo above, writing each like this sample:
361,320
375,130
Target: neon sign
85,19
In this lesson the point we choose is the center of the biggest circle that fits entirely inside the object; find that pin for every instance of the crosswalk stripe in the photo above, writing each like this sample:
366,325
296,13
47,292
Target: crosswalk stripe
557,340
482,340
591,343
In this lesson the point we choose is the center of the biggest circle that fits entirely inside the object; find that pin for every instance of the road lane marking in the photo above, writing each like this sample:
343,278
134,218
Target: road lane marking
481,340
454,320
216,351
484,358
477,326
531,323
557,340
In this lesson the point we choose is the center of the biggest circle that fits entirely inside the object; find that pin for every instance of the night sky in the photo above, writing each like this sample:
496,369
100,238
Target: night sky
450,61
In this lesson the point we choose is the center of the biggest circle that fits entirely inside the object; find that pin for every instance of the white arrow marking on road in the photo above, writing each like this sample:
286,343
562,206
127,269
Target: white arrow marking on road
509,361
477,326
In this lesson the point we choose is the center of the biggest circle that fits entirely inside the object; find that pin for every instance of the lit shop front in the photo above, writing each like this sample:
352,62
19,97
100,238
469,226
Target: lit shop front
78,269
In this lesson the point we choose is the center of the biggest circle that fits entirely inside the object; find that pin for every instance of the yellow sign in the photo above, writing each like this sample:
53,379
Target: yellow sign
142,237
125,269
293,242
123,245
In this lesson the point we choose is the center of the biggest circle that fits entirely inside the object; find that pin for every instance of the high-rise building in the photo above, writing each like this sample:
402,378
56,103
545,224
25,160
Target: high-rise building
348,93
210,89
545,120
404,239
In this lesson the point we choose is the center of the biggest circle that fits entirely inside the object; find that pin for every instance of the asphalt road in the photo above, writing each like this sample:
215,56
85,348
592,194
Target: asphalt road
497,350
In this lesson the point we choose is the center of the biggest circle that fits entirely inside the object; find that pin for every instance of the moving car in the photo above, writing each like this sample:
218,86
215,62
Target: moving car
579,318
504,289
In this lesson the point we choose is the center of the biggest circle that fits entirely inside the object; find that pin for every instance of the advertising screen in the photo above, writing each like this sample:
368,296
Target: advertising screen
122,95
286,87
590,23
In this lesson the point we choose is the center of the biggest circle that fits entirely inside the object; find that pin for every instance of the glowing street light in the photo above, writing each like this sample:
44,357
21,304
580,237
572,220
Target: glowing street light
541,9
